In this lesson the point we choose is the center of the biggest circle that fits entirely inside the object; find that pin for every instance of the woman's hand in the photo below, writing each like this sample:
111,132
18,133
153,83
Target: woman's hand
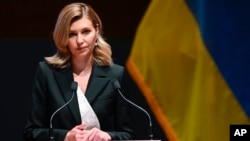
78,134
75,134
96,134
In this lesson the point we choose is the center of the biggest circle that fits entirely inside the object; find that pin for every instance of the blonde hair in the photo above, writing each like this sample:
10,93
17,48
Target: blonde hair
69,14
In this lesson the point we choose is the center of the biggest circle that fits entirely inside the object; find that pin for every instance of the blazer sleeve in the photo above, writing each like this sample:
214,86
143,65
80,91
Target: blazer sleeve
37,126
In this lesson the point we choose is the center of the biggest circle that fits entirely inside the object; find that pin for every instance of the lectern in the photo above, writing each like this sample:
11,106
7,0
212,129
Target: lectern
136,140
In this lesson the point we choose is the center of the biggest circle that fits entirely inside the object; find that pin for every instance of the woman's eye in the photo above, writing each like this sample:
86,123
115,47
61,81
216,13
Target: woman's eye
86,32
71,34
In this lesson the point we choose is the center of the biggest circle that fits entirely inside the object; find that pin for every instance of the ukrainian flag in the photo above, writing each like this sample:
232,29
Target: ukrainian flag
191,60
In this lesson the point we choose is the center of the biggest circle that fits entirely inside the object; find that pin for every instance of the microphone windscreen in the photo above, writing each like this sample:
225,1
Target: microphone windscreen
74,86
116,84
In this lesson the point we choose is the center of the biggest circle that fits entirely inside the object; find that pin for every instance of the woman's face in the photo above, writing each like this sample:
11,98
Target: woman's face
82,38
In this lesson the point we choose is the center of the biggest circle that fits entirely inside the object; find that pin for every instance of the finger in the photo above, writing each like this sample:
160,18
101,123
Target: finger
94,134
85,134
81,135
80,126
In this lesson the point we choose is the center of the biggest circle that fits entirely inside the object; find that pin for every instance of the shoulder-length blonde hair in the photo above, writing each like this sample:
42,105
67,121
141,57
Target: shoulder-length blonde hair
69,14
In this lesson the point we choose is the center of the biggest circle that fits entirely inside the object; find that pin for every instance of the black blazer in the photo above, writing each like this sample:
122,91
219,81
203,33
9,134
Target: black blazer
52,89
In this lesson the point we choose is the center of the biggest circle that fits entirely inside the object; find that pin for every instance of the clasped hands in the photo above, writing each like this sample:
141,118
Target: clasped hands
79,134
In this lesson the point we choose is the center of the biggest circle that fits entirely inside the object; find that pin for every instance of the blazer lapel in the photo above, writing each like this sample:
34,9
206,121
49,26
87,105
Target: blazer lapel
97,82
64,79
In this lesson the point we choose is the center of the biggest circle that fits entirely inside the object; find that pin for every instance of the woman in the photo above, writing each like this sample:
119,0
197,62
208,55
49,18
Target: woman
96,112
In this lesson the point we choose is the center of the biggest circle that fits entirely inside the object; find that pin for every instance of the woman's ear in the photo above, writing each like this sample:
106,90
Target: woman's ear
97,29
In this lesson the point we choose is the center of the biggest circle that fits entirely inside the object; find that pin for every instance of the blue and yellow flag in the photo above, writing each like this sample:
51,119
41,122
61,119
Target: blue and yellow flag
191,60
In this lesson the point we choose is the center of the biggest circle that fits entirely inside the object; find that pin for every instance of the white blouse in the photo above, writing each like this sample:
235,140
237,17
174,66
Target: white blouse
88,116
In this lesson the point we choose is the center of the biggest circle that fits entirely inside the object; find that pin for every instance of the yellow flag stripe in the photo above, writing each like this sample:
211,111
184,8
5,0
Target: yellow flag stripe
178,77
161,118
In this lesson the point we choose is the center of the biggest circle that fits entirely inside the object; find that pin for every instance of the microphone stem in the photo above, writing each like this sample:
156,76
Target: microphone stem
52,116
150,122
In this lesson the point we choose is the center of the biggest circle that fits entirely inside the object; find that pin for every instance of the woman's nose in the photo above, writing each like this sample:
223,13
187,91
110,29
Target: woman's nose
79,39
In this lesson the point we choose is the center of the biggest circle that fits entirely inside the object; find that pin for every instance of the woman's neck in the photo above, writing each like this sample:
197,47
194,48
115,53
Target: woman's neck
81,66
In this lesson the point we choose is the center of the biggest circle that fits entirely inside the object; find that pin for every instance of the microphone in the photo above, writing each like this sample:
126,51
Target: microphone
117,86
73,89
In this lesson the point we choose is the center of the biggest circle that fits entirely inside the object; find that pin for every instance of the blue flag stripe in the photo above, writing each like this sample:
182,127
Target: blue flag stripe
225,29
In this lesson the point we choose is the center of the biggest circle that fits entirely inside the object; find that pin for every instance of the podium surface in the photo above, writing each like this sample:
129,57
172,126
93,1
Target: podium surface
136,140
